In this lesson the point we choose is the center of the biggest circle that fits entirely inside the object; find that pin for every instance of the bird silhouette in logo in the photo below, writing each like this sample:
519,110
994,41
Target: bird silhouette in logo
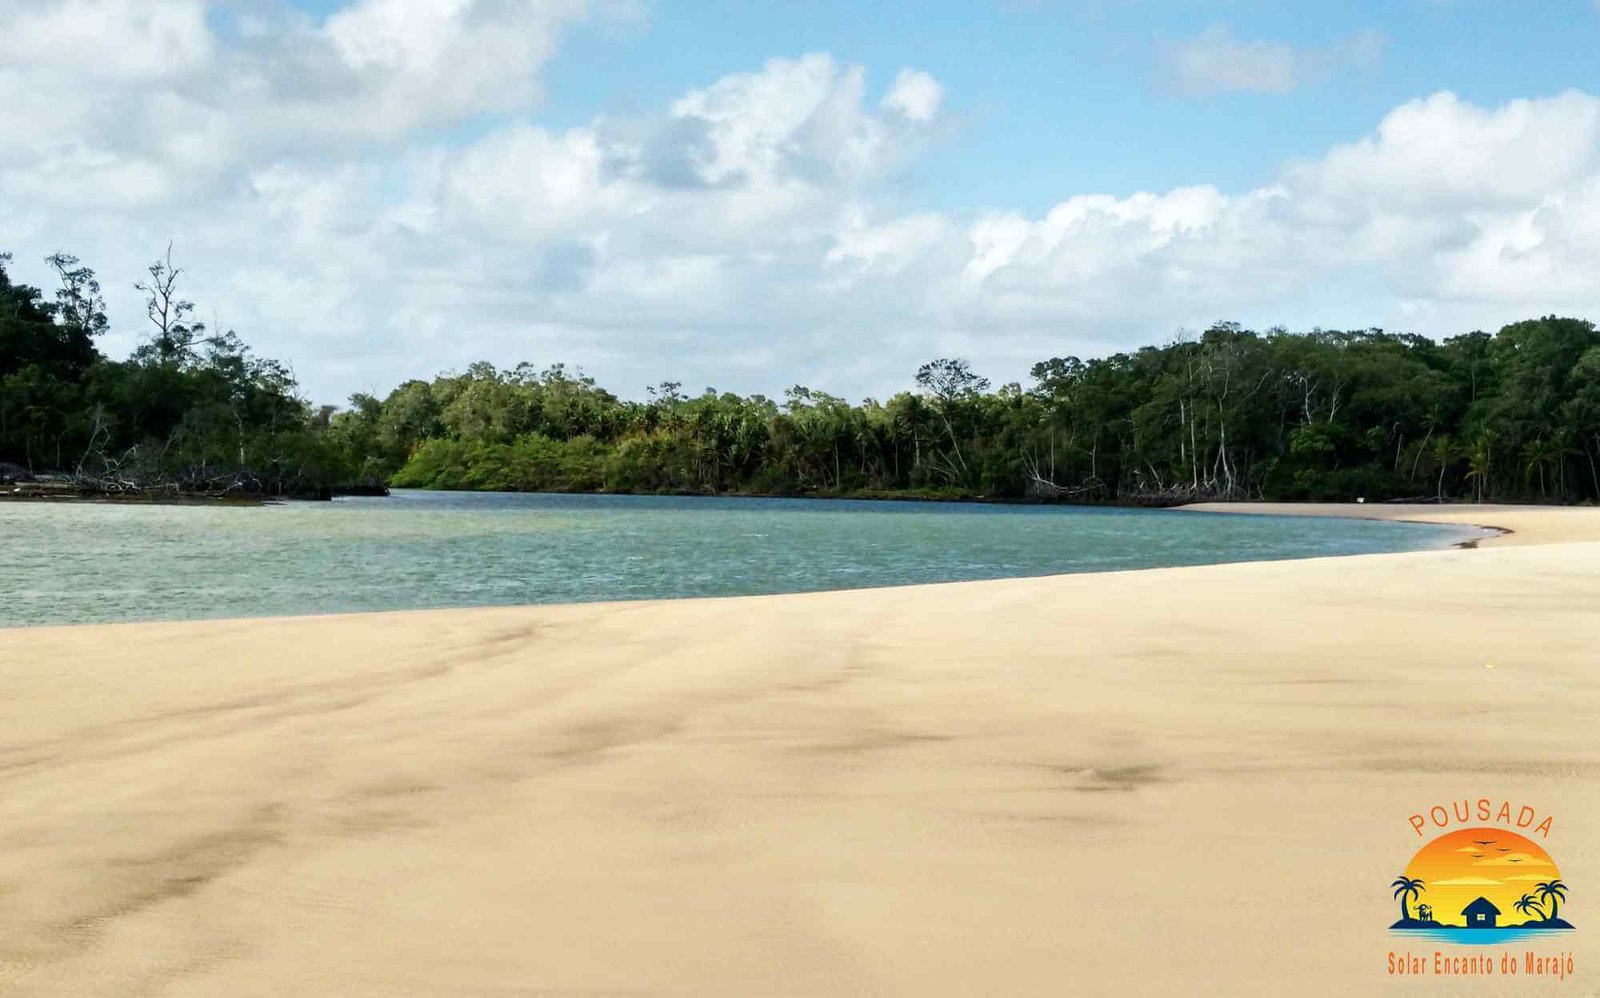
1484,842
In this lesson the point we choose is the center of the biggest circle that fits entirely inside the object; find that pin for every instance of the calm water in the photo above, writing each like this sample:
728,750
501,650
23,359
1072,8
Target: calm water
73,563
1485,937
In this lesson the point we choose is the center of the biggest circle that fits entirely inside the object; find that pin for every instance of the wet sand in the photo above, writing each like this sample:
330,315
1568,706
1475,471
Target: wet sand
1175,781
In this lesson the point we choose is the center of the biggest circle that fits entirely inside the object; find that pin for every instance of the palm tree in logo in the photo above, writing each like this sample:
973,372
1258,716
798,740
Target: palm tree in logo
1406,889
1528,903
1555,892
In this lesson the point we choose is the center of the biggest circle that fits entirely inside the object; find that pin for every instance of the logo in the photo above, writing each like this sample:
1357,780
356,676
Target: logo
1486,880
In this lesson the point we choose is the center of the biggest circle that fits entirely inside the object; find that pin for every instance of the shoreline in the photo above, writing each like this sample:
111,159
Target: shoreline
1517,524
171,497
937,789
30,492
1352,513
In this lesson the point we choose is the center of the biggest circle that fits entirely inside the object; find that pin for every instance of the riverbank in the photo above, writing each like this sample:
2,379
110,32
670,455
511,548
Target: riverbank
1139,782
68,492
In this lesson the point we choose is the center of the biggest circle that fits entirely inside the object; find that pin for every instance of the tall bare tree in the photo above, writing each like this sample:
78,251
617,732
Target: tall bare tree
176,333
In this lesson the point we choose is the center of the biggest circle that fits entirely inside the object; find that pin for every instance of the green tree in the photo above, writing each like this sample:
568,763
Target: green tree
176,331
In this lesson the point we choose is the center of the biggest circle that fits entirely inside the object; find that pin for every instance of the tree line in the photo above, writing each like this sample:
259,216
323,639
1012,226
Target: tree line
1231,413
192,410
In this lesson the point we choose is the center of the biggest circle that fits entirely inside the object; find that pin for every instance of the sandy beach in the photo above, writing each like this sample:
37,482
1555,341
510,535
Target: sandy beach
1176,781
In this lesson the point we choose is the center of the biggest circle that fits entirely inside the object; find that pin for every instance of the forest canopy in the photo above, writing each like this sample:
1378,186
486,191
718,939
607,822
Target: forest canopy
1229,413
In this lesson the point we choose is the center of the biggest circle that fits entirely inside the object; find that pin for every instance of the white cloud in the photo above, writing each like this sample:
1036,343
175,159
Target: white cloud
529,183
107,40
135,101
1522,858
422,61
795,118
1529,877
749,234
1216,61
915,94
1443,152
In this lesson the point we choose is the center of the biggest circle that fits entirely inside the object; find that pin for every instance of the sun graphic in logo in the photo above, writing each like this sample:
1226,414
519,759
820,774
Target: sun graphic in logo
1477,885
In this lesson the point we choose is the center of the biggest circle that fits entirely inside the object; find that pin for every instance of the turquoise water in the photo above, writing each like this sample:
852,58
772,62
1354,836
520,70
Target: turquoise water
69,563
1482,937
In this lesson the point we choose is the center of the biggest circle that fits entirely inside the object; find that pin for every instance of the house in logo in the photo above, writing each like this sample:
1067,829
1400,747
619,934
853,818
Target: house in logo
1481,914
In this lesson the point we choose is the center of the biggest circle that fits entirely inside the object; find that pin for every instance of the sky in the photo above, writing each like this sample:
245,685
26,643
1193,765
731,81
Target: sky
752,195
1461,866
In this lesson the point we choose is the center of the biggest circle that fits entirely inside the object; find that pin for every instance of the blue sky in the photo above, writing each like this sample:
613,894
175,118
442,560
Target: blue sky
1055,97
751,195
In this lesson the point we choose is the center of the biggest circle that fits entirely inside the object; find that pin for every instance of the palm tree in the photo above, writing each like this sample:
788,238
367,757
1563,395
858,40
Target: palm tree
1537,455
1528,903
1445,452
1480,461
1406,889
1555,892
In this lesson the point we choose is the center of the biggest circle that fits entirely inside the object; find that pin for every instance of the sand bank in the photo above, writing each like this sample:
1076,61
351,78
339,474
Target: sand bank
1180,781
1524,524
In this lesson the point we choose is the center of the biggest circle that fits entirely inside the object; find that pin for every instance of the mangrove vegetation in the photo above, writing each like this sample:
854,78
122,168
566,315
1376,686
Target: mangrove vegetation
1229,413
